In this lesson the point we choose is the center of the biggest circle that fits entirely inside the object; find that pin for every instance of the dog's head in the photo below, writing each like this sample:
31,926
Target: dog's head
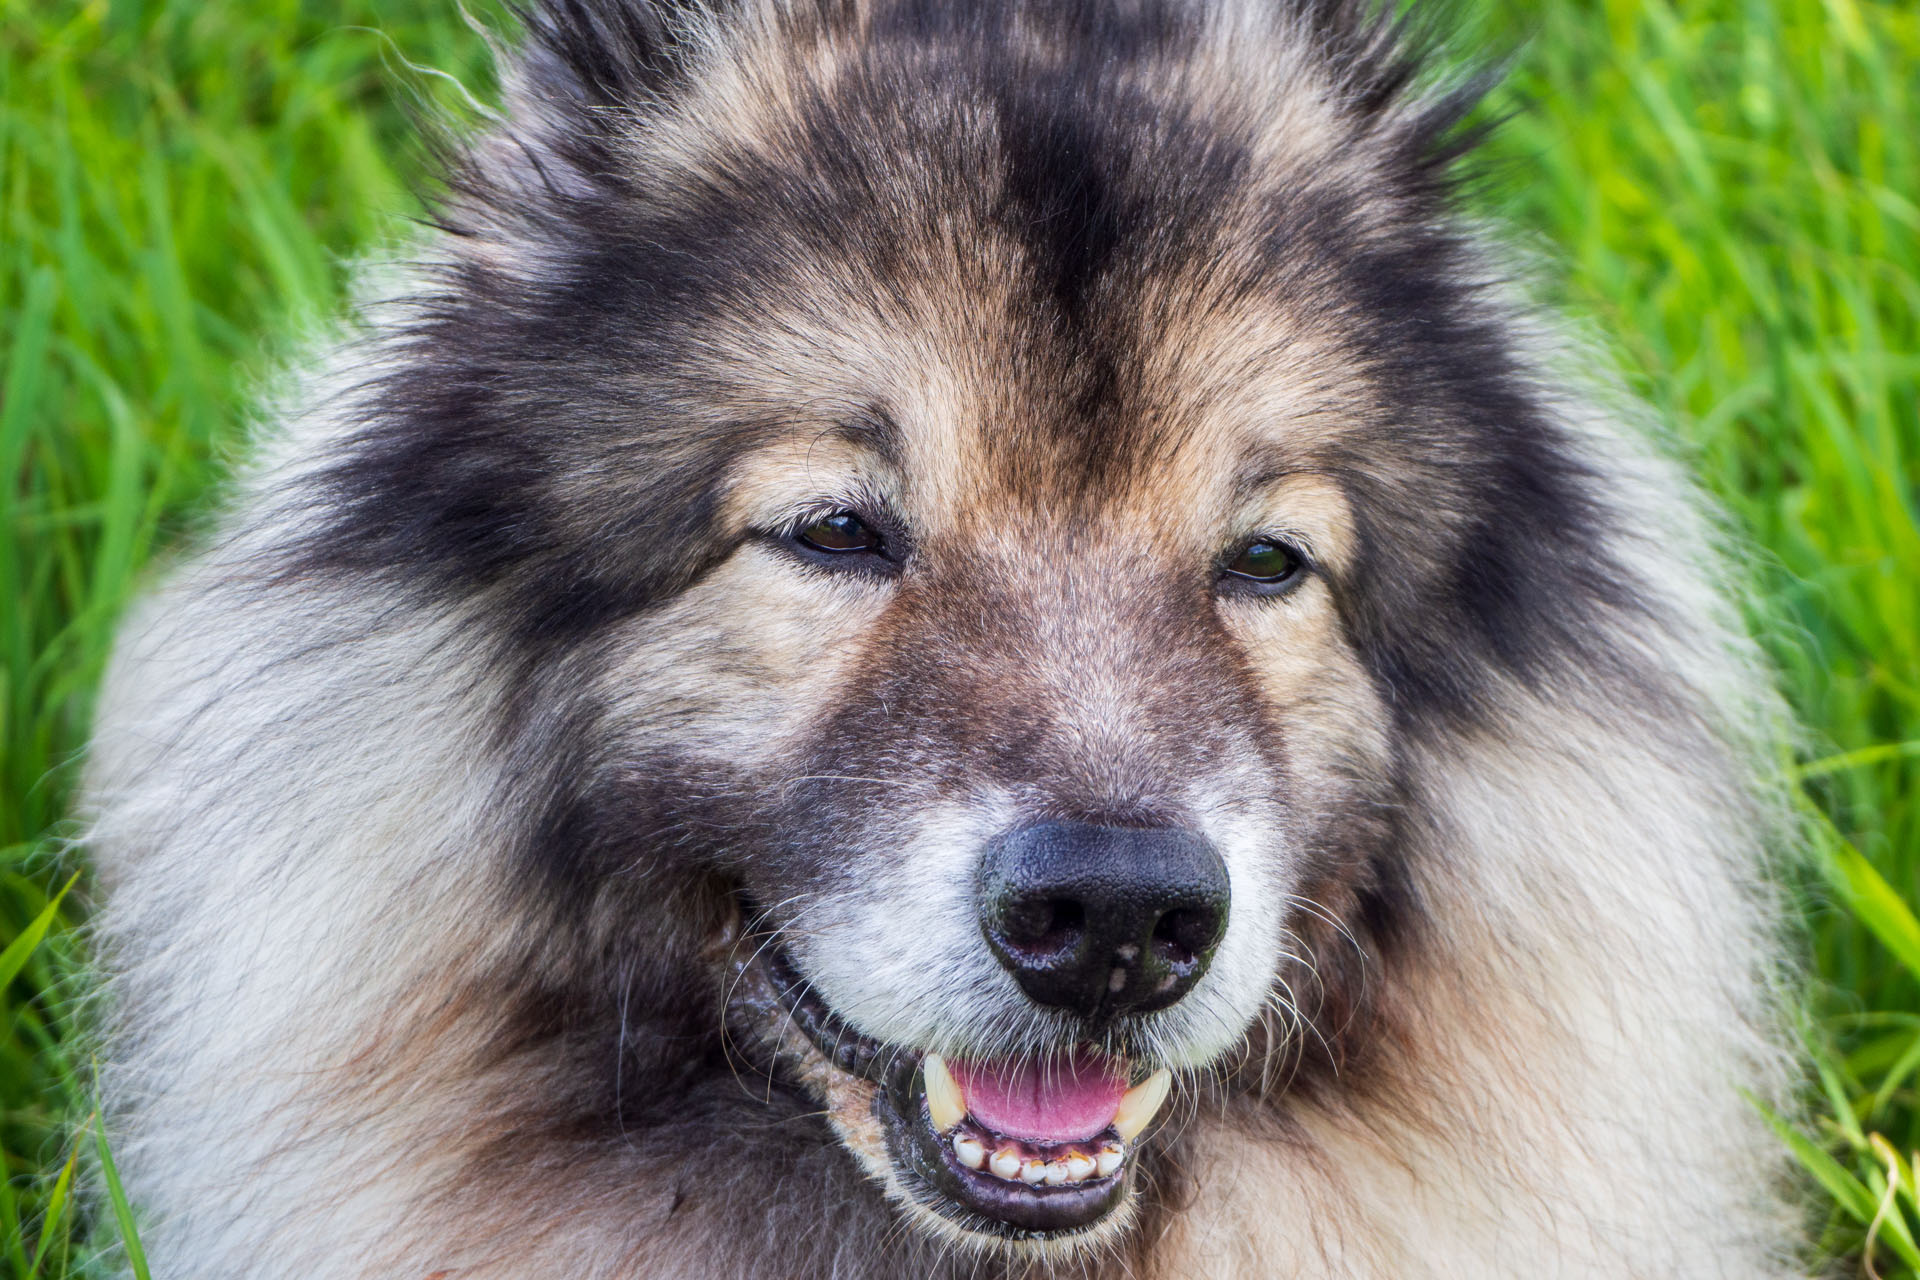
981,491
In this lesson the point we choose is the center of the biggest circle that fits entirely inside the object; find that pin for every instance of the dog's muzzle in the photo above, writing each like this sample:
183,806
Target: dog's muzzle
1098,925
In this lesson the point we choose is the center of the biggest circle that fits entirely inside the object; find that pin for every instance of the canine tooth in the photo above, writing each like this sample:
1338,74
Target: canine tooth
945,1103
1079,1166
1005,1164
972,1152
1141,1103
1033,1173
1109,1160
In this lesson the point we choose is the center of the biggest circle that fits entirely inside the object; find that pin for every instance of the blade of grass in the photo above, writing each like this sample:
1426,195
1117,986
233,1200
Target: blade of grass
14,958
1847,1191
1875,902
1860,759
56,1210
116,1194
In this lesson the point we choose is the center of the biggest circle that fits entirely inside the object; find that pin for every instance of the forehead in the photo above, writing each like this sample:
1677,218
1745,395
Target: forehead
962,386
1063,295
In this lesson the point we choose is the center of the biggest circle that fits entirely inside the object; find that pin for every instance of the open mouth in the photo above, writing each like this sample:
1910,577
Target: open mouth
1013,1149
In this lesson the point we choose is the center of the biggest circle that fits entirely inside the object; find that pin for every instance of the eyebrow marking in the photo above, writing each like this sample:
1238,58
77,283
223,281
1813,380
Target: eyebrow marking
1258,475
872,429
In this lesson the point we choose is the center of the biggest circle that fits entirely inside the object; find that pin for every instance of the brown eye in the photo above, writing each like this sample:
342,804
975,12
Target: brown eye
840,532
1265,565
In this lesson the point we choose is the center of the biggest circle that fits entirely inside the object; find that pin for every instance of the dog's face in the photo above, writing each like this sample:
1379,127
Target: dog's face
987,504
1039,692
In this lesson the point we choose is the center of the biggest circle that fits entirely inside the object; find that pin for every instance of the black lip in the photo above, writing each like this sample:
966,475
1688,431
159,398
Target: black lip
925,1160
846,1048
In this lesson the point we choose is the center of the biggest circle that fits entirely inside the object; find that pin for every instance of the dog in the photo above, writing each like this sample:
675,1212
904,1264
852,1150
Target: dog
967,638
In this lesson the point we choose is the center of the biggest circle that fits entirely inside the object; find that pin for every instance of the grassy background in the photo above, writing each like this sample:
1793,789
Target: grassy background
1731,187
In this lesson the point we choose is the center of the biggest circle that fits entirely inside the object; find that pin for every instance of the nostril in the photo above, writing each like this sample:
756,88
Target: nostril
1044,926
1183,935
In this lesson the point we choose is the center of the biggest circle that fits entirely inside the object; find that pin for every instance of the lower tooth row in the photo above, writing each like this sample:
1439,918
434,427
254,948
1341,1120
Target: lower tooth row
1008,1165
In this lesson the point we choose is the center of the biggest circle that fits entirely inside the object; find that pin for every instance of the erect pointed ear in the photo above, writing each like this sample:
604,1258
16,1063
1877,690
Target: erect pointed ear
611,53
583,74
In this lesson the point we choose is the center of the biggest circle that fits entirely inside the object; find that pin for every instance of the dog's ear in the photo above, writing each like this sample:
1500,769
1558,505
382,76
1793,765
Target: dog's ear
582,76
612,53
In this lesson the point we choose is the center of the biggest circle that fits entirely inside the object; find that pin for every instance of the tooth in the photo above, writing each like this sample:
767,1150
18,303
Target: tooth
1079,1166
1033,1173
1005,1164
972,1152
1141,1103
945,1103
1109,1160
1057,1174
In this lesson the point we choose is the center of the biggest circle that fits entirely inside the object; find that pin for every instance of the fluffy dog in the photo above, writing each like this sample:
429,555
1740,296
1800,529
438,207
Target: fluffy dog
949,637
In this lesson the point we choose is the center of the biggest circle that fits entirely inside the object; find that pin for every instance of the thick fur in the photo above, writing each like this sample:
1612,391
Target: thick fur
425,794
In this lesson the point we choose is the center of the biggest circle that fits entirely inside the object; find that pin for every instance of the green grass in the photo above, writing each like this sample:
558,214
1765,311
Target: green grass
1732,188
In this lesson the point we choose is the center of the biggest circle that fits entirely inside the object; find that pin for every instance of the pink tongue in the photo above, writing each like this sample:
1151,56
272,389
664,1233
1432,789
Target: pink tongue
1061,1102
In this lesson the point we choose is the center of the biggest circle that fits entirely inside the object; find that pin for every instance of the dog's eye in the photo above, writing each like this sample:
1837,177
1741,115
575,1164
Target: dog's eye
1265,566
839,533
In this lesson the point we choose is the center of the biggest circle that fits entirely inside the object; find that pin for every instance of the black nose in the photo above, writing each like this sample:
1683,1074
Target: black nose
1103,920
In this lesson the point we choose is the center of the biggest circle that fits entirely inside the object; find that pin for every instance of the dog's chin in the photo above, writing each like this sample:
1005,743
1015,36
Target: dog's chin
954,1175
